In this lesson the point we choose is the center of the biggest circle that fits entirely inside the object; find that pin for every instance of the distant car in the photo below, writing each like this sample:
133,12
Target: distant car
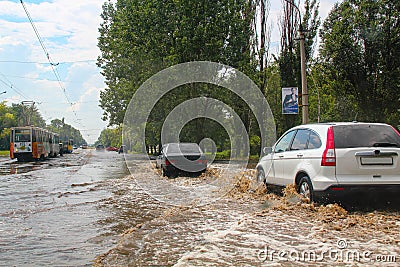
112,148
84,146
100,147
122,149
335,160
178,157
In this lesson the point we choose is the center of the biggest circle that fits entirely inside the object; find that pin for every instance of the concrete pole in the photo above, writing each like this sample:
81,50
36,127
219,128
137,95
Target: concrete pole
304,91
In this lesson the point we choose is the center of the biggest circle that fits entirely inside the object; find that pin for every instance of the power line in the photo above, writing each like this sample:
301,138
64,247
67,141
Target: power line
52,64
74,103
38,79
9,84
45,63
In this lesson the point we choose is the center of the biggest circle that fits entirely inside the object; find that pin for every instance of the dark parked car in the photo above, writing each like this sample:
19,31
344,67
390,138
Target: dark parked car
100,147
178,157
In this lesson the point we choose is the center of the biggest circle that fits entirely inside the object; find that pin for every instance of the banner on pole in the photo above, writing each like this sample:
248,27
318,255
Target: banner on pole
290,100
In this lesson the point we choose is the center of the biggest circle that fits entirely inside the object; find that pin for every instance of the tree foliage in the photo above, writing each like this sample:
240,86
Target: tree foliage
66,131
355,76
139,38
110,137
359,59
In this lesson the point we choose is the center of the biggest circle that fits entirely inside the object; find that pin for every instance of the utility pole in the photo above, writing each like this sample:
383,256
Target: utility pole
304,91
27,113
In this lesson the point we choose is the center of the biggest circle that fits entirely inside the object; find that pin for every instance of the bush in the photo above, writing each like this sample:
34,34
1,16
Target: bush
226,154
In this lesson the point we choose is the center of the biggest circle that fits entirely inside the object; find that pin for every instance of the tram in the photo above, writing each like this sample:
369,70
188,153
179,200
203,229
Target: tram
67,146
33,143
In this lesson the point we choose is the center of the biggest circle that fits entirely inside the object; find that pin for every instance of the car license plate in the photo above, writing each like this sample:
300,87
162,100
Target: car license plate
376,161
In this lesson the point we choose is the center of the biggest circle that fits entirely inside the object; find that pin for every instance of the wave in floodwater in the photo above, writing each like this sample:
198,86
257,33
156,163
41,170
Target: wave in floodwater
247,224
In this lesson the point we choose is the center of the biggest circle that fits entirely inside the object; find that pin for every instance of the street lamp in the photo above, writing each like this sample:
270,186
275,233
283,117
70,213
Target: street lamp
304,91
3,92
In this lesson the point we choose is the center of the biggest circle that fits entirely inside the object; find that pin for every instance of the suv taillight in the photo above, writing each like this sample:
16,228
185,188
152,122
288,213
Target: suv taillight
394,129
329,155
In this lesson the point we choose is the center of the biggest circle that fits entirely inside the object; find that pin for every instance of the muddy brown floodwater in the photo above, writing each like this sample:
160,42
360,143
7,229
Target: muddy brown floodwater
86,209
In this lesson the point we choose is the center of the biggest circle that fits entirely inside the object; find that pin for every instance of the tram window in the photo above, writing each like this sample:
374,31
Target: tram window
34,134
22,135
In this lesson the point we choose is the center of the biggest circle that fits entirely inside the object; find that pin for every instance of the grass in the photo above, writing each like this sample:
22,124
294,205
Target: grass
226,154
4,153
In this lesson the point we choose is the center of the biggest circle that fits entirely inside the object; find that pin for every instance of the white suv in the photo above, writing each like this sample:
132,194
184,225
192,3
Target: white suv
328,161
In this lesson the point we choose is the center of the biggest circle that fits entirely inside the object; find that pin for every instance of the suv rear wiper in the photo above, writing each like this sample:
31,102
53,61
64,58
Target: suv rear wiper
385,144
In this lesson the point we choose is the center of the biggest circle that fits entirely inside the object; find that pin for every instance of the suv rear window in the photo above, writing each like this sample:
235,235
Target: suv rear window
183,148
365,135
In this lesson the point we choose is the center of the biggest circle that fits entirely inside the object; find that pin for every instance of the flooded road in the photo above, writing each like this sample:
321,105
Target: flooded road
86,208
52,212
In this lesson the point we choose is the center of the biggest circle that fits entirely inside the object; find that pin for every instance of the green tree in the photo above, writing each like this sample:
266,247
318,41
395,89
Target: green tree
110,137
66,131
21,112
139,38
7,120
359,59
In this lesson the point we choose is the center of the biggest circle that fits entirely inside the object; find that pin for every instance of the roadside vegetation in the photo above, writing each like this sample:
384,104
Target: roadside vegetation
353,73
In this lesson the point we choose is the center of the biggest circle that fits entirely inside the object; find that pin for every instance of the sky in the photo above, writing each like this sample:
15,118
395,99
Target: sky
69,31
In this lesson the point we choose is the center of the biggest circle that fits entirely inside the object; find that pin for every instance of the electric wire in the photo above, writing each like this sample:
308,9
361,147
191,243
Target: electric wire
45,63
10,85
52,64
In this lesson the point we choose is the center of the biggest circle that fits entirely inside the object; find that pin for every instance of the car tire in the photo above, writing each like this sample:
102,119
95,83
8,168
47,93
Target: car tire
305,188
260,176
163,171
172,174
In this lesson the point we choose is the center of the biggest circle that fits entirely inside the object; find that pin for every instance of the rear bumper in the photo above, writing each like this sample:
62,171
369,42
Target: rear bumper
198,168
367,192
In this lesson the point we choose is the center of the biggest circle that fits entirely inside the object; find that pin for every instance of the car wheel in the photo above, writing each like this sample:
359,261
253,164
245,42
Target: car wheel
163,171
260,176
172,174
305,188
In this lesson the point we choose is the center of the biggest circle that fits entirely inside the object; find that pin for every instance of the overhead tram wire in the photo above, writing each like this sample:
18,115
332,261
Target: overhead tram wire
42,63
9,84
52,64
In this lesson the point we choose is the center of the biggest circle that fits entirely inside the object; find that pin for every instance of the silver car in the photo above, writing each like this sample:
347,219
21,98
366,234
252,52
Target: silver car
181,157
334,160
